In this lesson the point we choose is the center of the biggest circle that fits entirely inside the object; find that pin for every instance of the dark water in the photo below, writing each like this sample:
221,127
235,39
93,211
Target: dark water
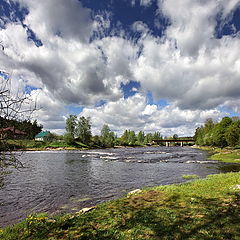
62,181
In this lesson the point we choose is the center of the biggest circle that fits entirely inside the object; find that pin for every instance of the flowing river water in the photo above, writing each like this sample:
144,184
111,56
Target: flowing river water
66,181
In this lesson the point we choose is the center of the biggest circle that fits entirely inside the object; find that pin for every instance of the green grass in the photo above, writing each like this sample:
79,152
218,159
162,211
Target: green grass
25,144
202,209
189,177
228,155
40,145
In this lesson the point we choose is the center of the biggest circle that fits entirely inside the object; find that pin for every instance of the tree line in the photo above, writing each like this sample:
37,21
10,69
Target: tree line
219,134
79,129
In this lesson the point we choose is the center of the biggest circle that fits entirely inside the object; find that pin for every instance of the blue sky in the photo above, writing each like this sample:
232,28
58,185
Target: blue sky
152,65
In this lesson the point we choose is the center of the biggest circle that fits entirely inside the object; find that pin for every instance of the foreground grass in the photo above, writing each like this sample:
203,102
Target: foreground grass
228,155
203,209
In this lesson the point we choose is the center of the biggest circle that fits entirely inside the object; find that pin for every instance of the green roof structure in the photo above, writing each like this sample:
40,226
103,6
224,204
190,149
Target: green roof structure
42,135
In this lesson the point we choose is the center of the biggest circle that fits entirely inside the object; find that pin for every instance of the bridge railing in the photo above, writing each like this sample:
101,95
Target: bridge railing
168,141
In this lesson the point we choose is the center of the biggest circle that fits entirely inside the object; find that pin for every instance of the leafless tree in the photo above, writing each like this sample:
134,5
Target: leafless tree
18,105
14,105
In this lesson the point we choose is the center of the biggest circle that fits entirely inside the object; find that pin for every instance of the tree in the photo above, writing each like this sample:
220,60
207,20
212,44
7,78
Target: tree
68,138
222,134
71,124
14,107
209,124
30,128
132,138
157,136
232,134
225,122
175,136
219,139
107,136
51,137
207,136
83,130
148,138
199,134
35,129
141,137
96,141
125,136
17,106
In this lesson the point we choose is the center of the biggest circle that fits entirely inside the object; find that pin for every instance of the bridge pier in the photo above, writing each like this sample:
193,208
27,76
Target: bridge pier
169,141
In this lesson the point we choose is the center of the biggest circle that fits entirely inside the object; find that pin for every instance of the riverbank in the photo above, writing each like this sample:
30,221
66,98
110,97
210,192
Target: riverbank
203,209
228,155
32,145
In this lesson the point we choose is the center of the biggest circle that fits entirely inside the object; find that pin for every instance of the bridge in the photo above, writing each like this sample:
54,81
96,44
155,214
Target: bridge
179,140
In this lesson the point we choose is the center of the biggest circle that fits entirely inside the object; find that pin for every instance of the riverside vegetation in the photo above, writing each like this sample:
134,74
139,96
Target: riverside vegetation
225,133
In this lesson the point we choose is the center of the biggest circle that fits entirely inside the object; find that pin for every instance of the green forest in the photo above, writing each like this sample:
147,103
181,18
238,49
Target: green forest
79,130
225,133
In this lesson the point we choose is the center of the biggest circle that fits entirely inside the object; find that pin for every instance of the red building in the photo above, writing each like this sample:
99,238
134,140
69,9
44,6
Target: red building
11,133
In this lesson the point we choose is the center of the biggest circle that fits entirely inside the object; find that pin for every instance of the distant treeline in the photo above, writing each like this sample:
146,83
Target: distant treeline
219,134
79,129
30,128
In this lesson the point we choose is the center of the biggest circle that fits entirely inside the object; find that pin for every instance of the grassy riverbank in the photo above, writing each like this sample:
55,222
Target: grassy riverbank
33,145
229,155
203,209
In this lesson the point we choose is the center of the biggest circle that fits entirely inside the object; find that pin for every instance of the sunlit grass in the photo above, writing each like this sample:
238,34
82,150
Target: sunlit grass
41,145
190,176
228,155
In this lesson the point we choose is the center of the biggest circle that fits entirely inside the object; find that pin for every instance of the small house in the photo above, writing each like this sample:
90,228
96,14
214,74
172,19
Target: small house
42,136
12,133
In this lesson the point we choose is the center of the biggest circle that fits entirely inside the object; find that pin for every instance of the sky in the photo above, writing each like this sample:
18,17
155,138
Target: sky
150,65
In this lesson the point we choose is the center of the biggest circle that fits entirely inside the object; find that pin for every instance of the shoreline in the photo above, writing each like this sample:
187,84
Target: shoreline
79,149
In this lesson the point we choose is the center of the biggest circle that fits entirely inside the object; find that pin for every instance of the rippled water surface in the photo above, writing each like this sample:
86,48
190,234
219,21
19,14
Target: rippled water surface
65,181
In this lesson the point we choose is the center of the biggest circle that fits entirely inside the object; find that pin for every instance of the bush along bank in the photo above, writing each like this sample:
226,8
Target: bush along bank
202,209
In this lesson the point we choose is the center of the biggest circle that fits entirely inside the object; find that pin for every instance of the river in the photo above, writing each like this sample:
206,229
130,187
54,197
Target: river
66,181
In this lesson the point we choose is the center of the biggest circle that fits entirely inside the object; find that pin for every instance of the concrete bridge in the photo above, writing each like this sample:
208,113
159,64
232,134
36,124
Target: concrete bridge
179,140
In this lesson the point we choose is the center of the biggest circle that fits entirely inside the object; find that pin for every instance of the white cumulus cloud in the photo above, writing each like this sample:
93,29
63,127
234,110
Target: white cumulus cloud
134,113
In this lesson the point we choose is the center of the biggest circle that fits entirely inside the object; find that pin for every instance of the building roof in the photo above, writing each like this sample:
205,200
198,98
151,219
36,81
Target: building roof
13,130
42,134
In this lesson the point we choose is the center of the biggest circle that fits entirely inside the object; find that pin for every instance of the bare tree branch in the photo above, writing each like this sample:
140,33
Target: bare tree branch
13,106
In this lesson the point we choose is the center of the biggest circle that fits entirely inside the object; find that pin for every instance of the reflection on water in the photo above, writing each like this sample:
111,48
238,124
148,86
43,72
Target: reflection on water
67,181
